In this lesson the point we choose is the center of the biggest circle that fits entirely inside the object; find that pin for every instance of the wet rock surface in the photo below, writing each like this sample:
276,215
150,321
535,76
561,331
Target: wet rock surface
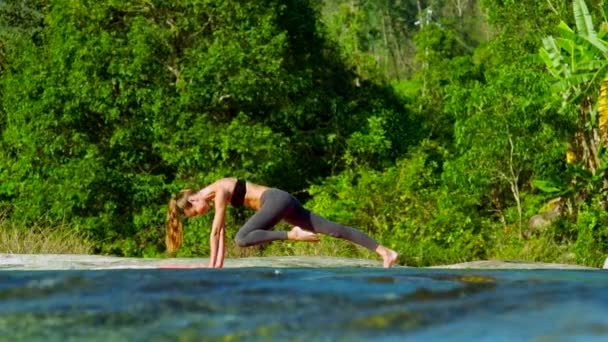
85,262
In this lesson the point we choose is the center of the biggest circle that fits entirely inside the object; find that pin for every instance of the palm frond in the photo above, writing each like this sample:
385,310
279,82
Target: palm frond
592,65
597,43
566,31
573,81
566,44
552,56
567,92
582,17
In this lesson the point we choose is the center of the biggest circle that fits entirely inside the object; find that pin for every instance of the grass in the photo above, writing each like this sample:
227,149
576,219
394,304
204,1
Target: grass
537,248
41,240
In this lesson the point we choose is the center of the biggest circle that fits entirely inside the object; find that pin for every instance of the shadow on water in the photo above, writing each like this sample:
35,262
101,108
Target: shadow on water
294,304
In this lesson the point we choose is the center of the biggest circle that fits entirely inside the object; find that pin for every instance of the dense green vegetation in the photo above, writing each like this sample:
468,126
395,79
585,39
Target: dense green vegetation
450,130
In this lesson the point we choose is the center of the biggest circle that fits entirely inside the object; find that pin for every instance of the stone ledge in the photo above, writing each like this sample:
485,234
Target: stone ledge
72,261
507,264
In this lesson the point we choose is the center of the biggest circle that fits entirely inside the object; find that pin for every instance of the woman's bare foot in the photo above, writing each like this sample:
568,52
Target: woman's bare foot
389,256
298,234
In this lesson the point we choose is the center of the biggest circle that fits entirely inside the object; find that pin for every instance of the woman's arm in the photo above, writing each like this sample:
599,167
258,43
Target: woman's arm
216,229
219,262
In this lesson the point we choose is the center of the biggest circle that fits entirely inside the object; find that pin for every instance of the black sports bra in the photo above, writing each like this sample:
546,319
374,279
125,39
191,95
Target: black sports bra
238,194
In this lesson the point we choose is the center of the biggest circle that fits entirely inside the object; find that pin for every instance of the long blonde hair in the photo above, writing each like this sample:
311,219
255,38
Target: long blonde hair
174,233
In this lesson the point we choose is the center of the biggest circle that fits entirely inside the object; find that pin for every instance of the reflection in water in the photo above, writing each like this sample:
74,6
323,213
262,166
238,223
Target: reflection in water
345,304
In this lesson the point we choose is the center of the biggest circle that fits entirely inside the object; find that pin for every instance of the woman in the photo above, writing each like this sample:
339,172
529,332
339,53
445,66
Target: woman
271,205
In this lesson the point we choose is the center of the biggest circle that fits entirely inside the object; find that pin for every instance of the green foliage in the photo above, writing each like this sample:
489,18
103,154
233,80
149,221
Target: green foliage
368,148
372,36
499,130
348,25
576,58
523,23
591,244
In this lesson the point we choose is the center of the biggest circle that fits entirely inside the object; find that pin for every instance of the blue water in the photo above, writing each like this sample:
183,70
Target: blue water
341,304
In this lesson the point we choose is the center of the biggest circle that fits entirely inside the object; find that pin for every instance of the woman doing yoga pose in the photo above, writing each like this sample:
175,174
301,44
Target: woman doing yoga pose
271,205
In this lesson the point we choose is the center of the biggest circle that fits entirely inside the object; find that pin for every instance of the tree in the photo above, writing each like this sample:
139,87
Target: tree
501,138
578,61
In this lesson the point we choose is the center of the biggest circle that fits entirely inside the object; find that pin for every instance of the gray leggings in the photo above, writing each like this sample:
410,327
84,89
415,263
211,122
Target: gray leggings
277,205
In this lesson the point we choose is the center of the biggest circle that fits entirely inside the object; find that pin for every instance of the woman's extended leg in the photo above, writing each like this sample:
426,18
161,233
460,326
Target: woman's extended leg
310,221
306,219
